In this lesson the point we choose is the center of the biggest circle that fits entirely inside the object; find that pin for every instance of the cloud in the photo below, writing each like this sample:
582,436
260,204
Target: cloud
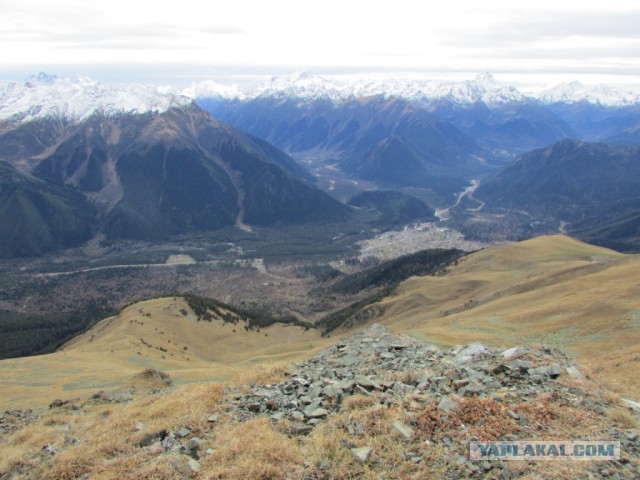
534,27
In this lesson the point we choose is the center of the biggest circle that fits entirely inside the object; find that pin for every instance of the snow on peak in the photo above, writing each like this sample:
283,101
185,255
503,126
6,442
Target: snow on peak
484,88
304,86
299,85
211,89
77,98
42,78
575,92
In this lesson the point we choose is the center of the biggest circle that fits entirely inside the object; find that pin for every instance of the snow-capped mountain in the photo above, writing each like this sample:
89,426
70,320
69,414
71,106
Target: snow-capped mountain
308,87
211,89
575,92
79,97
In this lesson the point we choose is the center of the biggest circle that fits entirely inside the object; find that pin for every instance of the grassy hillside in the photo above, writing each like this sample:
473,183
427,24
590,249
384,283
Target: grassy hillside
162,333
552,290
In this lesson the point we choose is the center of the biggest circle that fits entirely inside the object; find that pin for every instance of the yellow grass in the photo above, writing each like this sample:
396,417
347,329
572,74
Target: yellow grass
253,450
623,418
109,432
150,334
549,290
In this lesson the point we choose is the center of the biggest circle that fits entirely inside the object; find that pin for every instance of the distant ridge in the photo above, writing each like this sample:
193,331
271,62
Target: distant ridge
153,175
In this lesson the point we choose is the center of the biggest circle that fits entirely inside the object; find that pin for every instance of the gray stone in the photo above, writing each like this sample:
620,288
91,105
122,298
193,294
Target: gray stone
361,454
536,378
213,418
472,389
312,406
366,382
188,467
348,360
194,443
631,404
331,391
457,384
574,373
317,413
404,430
305,400
470,353
301,429
49,450
170,443
363,391
377,329
512,353
446,404
553,372
505,474
522,365
297,416
183,432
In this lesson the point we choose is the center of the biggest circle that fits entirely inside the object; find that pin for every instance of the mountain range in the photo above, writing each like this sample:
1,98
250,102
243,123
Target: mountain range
386,140
146,176
148,162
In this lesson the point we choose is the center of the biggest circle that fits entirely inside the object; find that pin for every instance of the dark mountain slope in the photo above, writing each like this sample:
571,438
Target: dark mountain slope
36,217
152,176
515,127
600,123
387,140
392,208
593,187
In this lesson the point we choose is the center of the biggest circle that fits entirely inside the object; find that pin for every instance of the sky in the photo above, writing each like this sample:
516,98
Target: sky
532,44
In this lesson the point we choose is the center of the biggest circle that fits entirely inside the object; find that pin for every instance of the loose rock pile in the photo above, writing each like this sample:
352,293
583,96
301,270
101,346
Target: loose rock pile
15,419
428,386
388,367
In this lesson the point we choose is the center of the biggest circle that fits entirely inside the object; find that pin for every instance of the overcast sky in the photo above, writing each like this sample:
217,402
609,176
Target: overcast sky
528,43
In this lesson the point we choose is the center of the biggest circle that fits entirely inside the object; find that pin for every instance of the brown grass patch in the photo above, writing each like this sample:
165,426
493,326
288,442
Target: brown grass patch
559,421
484,418
265,375
106,437
252,450
623,418
359,402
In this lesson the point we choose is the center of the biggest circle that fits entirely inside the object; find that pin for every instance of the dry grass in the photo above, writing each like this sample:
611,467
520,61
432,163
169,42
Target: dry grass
409,377
252,450
264,374
554,420
623,418
328,447
359,402
261,449
107,437
483,418
550,290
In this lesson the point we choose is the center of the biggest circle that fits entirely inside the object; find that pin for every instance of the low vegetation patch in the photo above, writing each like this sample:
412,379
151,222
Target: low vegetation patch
208,309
